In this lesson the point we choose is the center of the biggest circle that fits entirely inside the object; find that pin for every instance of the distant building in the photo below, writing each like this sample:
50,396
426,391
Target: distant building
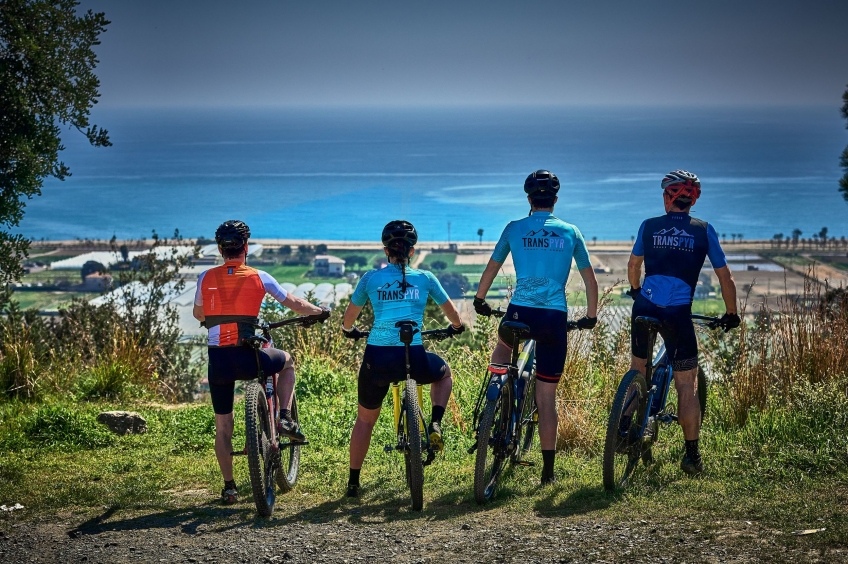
328,265
96,282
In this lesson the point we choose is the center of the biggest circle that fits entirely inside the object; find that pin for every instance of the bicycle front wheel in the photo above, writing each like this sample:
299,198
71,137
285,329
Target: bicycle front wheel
412,452
260,450
623,445
289,457
529,417
492,443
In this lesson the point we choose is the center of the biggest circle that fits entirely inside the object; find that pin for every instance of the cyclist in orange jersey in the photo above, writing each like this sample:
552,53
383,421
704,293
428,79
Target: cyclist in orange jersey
227,302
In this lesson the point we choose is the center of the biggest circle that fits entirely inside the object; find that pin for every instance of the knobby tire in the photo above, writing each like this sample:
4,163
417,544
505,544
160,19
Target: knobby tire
289,457
260,454
412,452
529,418
491,445
622,454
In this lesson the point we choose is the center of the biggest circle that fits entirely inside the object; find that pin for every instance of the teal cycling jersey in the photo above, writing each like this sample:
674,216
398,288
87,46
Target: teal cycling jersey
392,303
542,248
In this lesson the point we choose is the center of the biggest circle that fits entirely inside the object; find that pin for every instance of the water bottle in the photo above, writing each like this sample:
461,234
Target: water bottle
269,387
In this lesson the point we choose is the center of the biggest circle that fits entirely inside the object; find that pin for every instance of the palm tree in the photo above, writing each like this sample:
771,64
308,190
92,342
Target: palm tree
480,234
733,237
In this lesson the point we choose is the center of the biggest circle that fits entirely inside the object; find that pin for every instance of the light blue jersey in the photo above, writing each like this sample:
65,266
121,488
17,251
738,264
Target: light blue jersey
391,303
542,248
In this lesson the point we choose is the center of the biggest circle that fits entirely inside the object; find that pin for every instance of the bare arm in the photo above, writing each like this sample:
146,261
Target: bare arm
634,270
591,283
350,315
301,306
492,269
198,313
451,313
728,288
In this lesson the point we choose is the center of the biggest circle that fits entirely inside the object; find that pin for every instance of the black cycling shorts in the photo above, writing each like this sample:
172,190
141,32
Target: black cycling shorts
383,365
677,331
228,364
549,327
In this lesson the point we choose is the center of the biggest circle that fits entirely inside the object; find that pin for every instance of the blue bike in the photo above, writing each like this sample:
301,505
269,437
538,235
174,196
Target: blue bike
637,410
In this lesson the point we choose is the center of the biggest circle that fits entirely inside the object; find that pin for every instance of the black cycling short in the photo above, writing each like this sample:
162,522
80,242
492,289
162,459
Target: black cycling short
228,364
677,331
549,327
383,365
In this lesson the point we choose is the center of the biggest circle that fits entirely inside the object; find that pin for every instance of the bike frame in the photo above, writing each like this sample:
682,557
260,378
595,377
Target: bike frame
659,375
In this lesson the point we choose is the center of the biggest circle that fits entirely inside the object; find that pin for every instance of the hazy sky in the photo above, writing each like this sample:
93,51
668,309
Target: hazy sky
434,52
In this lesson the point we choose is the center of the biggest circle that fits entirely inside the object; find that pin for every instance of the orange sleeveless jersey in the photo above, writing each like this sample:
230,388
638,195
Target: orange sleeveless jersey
231,291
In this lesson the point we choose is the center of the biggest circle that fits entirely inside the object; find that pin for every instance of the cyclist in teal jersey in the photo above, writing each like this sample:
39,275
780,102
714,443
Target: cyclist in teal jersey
543,247
673,248
397,293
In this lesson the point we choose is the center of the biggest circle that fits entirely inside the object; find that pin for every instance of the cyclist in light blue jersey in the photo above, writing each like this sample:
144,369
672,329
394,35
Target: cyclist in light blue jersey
397,293
543,247
672,248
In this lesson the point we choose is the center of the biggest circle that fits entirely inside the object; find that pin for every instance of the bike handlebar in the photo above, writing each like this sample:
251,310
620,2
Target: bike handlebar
303,321
435,334
570,326
711,322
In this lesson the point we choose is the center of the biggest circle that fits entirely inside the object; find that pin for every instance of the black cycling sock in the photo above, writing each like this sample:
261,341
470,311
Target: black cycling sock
548,463
285,414
437,413
692,450
229,484
354,476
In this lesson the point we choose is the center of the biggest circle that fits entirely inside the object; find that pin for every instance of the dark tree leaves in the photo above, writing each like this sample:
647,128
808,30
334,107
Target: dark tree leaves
47,83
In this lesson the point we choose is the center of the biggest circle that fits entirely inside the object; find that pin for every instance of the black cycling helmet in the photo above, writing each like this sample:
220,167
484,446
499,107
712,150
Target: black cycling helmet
541,182
232,234
399,230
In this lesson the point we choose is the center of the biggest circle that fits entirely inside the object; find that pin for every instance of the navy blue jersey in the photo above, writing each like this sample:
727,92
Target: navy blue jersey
675,247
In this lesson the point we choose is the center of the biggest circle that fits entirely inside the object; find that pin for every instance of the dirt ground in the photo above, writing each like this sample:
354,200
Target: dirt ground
344,532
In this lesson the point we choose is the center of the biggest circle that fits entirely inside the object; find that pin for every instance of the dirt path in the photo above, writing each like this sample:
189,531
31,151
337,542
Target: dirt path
347,532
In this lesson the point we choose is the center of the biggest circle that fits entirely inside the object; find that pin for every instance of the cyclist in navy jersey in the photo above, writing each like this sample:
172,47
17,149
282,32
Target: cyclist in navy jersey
543,247
397,293
673,248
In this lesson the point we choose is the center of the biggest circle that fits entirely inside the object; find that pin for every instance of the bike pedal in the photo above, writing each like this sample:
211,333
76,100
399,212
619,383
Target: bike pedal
389,448
293,444
526,463
242,452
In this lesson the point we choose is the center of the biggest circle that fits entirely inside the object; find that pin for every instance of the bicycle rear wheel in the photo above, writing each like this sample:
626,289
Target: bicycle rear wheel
492,442
623,444
411,424
289,457
261,453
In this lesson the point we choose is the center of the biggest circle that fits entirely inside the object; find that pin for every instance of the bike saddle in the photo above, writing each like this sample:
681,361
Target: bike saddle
407,330
255,341
518,330
649,321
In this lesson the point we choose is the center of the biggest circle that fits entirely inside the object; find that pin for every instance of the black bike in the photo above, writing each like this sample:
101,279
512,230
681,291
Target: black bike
505,415
272,459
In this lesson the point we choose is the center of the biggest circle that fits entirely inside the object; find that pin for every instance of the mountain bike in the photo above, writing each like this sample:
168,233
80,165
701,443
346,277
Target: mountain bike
410,426
637,411
271,459
505,415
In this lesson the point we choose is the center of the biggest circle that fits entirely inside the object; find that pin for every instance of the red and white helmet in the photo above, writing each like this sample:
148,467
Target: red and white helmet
682,184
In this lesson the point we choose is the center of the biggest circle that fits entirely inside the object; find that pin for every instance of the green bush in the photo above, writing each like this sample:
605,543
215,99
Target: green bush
65,427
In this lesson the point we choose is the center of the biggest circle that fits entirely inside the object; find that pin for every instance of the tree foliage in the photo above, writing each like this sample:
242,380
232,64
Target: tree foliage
843,160
47,83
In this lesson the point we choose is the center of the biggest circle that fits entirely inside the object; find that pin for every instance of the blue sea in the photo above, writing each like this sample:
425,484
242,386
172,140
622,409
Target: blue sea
341,174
